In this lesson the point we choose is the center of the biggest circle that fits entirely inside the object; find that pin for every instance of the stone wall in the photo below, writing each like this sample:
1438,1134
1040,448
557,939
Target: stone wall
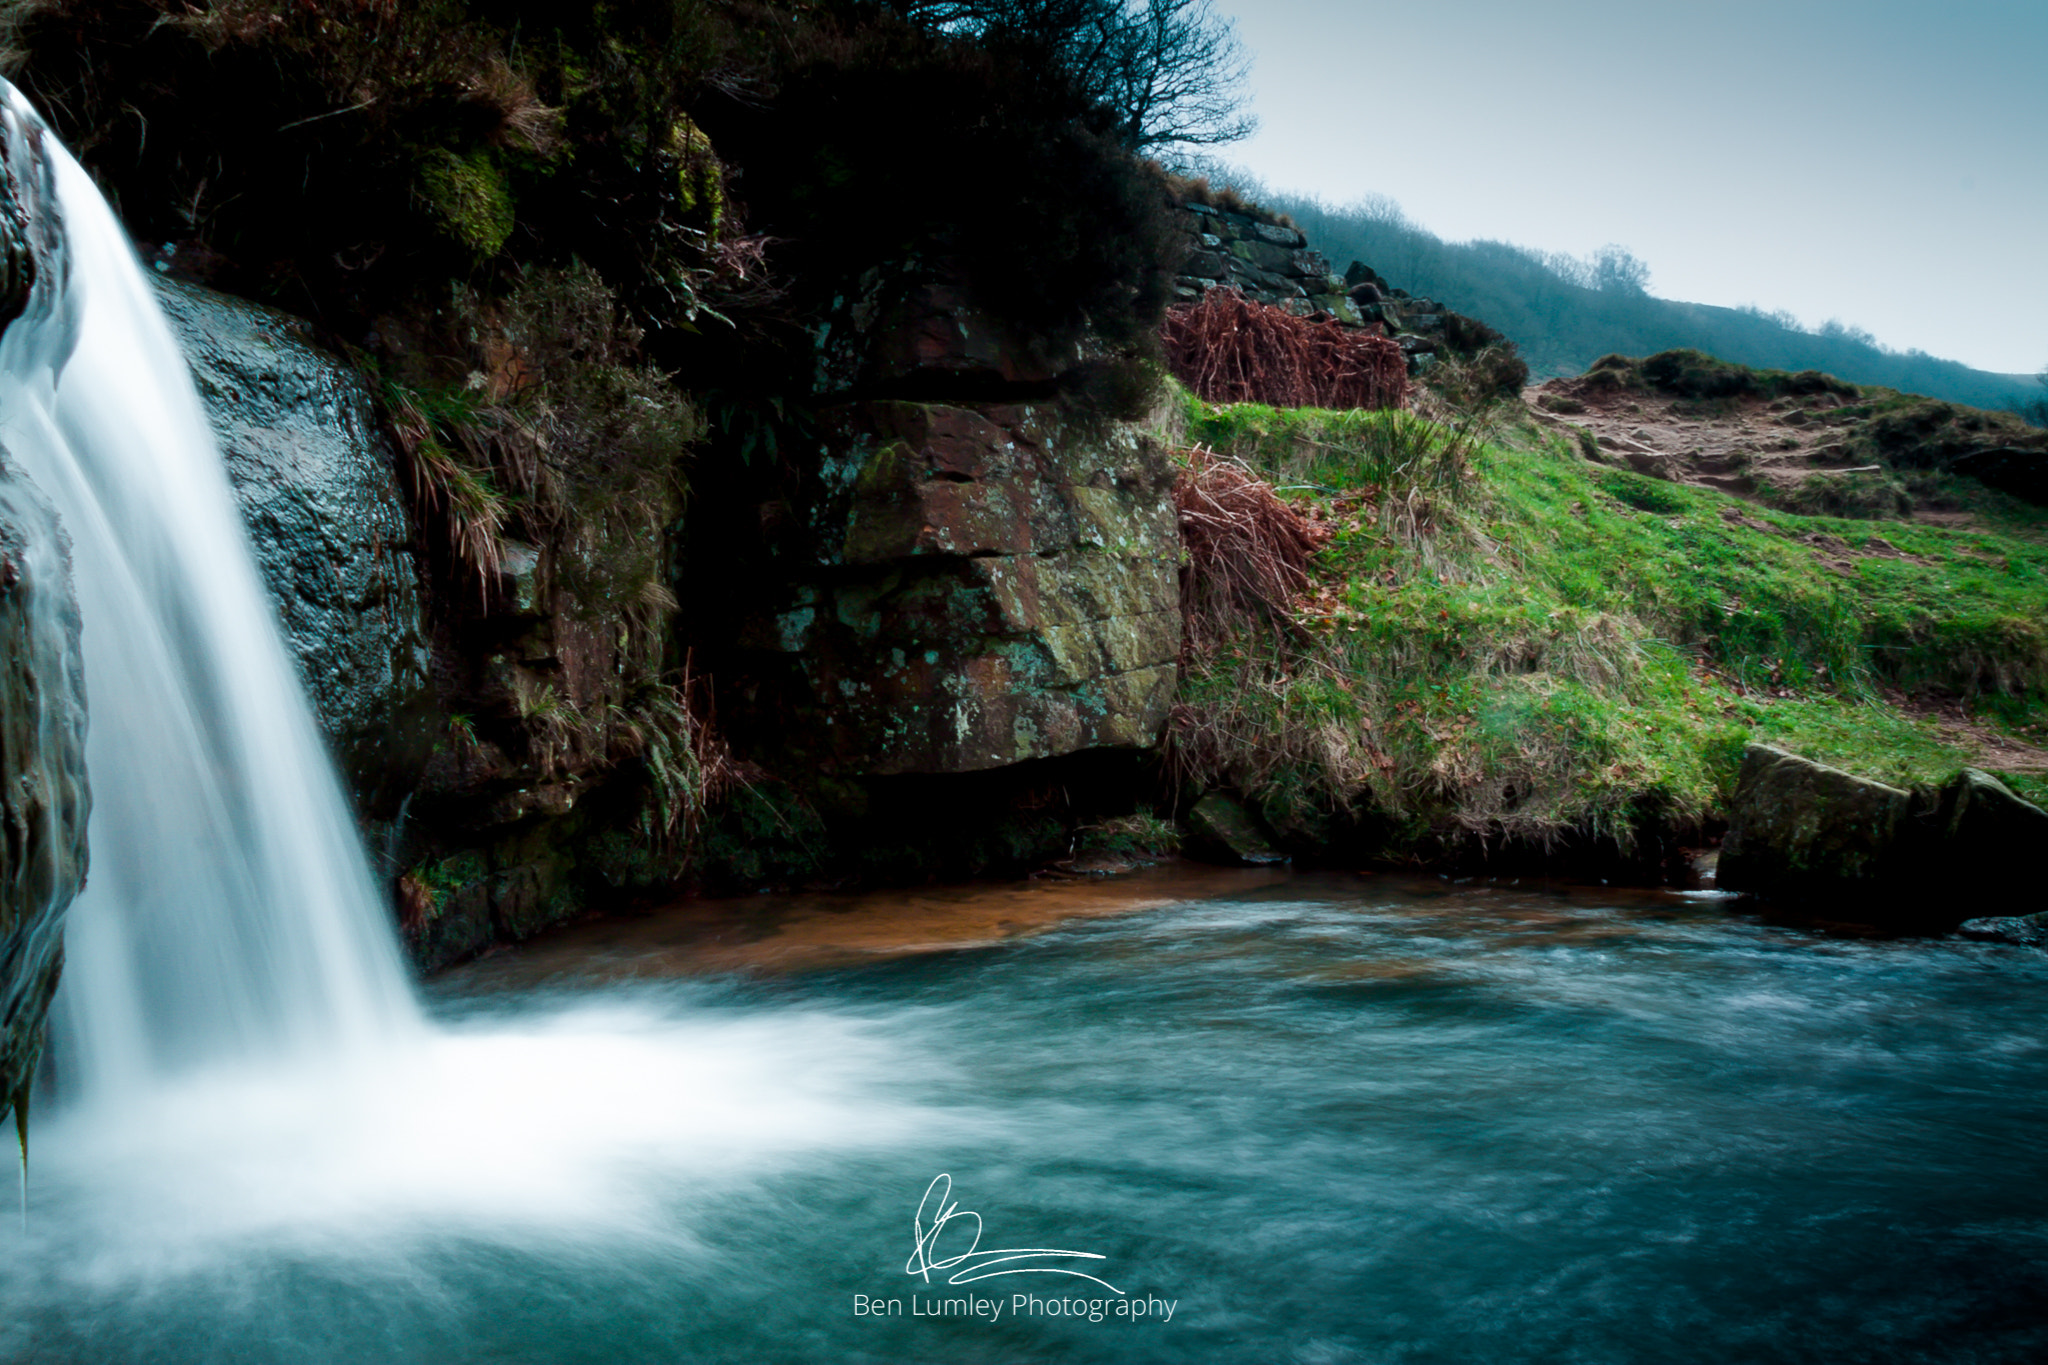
1272,263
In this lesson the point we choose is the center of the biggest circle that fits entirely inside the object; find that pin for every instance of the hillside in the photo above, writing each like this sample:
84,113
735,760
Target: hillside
1507,651
1563,324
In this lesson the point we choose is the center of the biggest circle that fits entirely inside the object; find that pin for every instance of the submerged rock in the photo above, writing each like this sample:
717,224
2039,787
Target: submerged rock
315,477
43,793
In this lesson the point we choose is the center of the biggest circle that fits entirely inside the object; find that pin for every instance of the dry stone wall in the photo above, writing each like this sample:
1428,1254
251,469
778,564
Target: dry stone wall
1272,263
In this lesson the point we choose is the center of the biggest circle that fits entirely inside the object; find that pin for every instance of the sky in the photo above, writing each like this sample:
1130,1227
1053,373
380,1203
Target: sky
1878,162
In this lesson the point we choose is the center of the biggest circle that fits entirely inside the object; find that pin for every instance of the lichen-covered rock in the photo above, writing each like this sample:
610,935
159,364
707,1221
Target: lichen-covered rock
1800,829
43,794
989,588
315,478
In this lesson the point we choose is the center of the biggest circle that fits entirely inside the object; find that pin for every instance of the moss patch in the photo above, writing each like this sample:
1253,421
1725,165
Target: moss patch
468,199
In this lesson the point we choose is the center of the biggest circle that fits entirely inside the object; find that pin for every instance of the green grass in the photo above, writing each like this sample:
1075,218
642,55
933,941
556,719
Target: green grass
1507,641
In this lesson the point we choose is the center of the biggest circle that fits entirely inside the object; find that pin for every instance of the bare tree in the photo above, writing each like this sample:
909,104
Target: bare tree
1170,73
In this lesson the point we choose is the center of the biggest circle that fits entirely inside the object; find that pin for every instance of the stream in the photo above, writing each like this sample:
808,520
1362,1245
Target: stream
1318,1118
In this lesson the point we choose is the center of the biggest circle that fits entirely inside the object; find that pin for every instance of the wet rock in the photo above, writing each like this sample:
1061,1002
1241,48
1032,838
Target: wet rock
2025,931
315,477
17,251
1803,830
1221,830
1806,835
43,794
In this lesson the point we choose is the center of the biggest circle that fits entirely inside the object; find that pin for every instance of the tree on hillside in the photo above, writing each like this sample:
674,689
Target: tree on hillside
1617,270
1171,73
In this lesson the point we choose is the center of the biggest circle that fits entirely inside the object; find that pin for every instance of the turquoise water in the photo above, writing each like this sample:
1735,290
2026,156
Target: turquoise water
1330,1119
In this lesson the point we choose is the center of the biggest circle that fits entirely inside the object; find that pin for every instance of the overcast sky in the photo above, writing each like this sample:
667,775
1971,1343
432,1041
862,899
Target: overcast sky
1876,161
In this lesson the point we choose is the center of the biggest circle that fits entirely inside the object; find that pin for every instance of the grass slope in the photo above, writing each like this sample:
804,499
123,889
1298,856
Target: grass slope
1508,644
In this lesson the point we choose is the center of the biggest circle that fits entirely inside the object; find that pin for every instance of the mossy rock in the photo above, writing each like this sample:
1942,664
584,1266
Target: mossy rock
468,199
700,176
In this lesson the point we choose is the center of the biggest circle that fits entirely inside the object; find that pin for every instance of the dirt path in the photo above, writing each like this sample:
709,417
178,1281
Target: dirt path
1750,447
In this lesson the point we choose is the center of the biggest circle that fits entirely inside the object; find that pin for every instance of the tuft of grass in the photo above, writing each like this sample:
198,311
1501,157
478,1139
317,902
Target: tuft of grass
1142,834
669,726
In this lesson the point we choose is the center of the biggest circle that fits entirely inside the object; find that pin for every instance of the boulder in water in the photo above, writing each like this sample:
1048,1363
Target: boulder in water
1224,831
1806,835
1803,829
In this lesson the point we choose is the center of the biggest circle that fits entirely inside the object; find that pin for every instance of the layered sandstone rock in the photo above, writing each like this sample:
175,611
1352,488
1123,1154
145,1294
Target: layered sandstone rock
984,578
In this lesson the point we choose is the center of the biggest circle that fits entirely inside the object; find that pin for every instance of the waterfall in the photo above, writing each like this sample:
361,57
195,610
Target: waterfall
230,913
244,1070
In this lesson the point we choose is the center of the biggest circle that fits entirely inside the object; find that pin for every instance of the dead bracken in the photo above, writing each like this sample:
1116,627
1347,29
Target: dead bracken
1228,349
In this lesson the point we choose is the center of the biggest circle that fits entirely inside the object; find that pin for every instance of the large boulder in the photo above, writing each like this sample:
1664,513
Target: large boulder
1803,830
43,793
315,477
1809,836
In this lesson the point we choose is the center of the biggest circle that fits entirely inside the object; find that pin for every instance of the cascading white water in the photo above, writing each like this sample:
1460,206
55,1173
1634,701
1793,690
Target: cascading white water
230,911
243,1064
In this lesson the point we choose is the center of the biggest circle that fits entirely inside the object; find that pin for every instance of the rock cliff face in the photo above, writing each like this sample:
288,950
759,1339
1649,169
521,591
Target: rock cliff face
43,793
988,588
977,578
314,474
981,578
